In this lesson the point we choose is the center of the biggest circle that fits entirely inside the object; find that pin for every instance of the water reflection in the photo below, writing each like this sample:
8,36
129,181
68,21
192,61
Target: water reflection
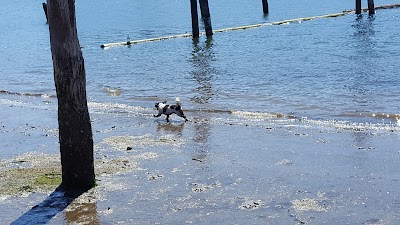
361,139
202,135
360,156
203,72
364,31
171,128
364,63
83,210
366,69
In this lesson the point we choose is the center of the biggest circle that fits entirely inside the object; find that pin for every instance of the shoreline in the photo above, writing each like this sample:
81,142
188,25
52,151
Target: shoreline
277,134
225,170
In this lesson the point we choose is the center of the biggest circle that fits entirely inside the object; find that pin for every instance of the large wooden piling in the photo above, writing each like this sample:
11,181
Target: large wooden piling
205,15
358,7
371,7
195,19
265,6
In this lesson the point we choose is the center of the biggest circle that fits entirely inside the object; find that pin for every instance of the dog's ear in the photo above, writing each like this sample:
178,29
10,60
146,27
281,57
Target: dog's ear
164,102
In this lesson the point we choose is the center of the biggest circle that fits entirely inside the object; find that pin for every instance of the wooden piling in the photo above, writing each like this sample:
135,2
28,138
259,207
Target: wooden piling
371,7
358,7
265,6
195,19
45,11
205,15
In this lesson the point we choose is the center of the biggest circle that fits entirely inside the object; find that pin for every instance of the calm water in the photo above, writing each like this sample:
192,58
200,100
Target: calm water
336,72
326,69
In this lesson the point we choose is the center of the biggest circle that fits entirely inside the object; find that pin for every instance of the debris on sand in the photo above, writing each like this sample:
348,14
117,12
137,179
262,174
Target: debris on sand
309,204
38,172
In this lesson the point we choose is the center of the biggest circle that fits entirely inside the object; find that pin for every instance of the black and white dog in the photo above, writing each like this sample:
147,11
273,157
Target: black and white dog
167,110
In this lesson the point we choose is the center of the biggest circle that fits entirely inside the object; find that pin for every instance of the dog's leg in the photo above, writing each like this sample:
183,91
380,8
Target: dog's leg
167,118
158,115
180,113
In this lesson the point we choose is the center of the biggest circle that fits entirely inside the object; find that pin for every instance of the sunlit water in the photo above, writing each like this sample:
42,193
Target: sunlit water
339,72
341,68
326,73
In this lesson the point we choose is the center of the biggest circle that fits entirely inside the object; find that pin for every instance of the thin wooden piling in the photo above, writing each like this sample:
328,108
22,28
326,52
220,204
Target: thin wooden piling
371,7
45,11
265,6
205,15
358,7
195,19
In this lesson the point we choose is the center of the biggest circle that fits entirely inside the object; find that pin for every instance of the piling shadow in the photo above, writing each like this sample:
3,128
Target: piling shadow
43,212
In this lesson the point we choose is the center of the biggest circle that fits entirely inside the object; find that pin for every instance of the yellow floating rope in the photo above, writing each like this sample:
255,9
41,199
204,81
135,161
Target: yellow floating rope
283,22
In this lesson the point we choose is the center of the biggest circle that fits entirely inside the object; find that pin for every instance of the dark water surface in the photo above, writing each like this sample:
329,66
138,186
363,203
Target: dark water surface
290,124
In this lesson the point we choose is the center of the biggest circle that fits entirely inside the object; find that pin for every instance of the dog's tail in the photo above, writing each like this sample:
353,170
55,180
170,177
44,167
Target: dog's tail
178,101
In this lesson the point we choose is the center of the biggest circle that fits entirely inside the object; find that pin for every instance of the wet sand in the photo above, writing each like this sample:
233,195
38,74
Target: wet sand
219,168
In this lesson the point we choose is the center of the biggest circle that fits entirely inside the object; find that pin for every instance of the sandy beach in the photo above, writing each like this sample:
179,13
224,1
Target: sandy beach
225,168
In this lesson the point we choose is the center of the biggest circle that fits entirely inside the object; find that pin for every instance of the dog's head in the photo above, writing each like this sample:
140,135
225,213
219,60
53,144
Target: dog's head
159,105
